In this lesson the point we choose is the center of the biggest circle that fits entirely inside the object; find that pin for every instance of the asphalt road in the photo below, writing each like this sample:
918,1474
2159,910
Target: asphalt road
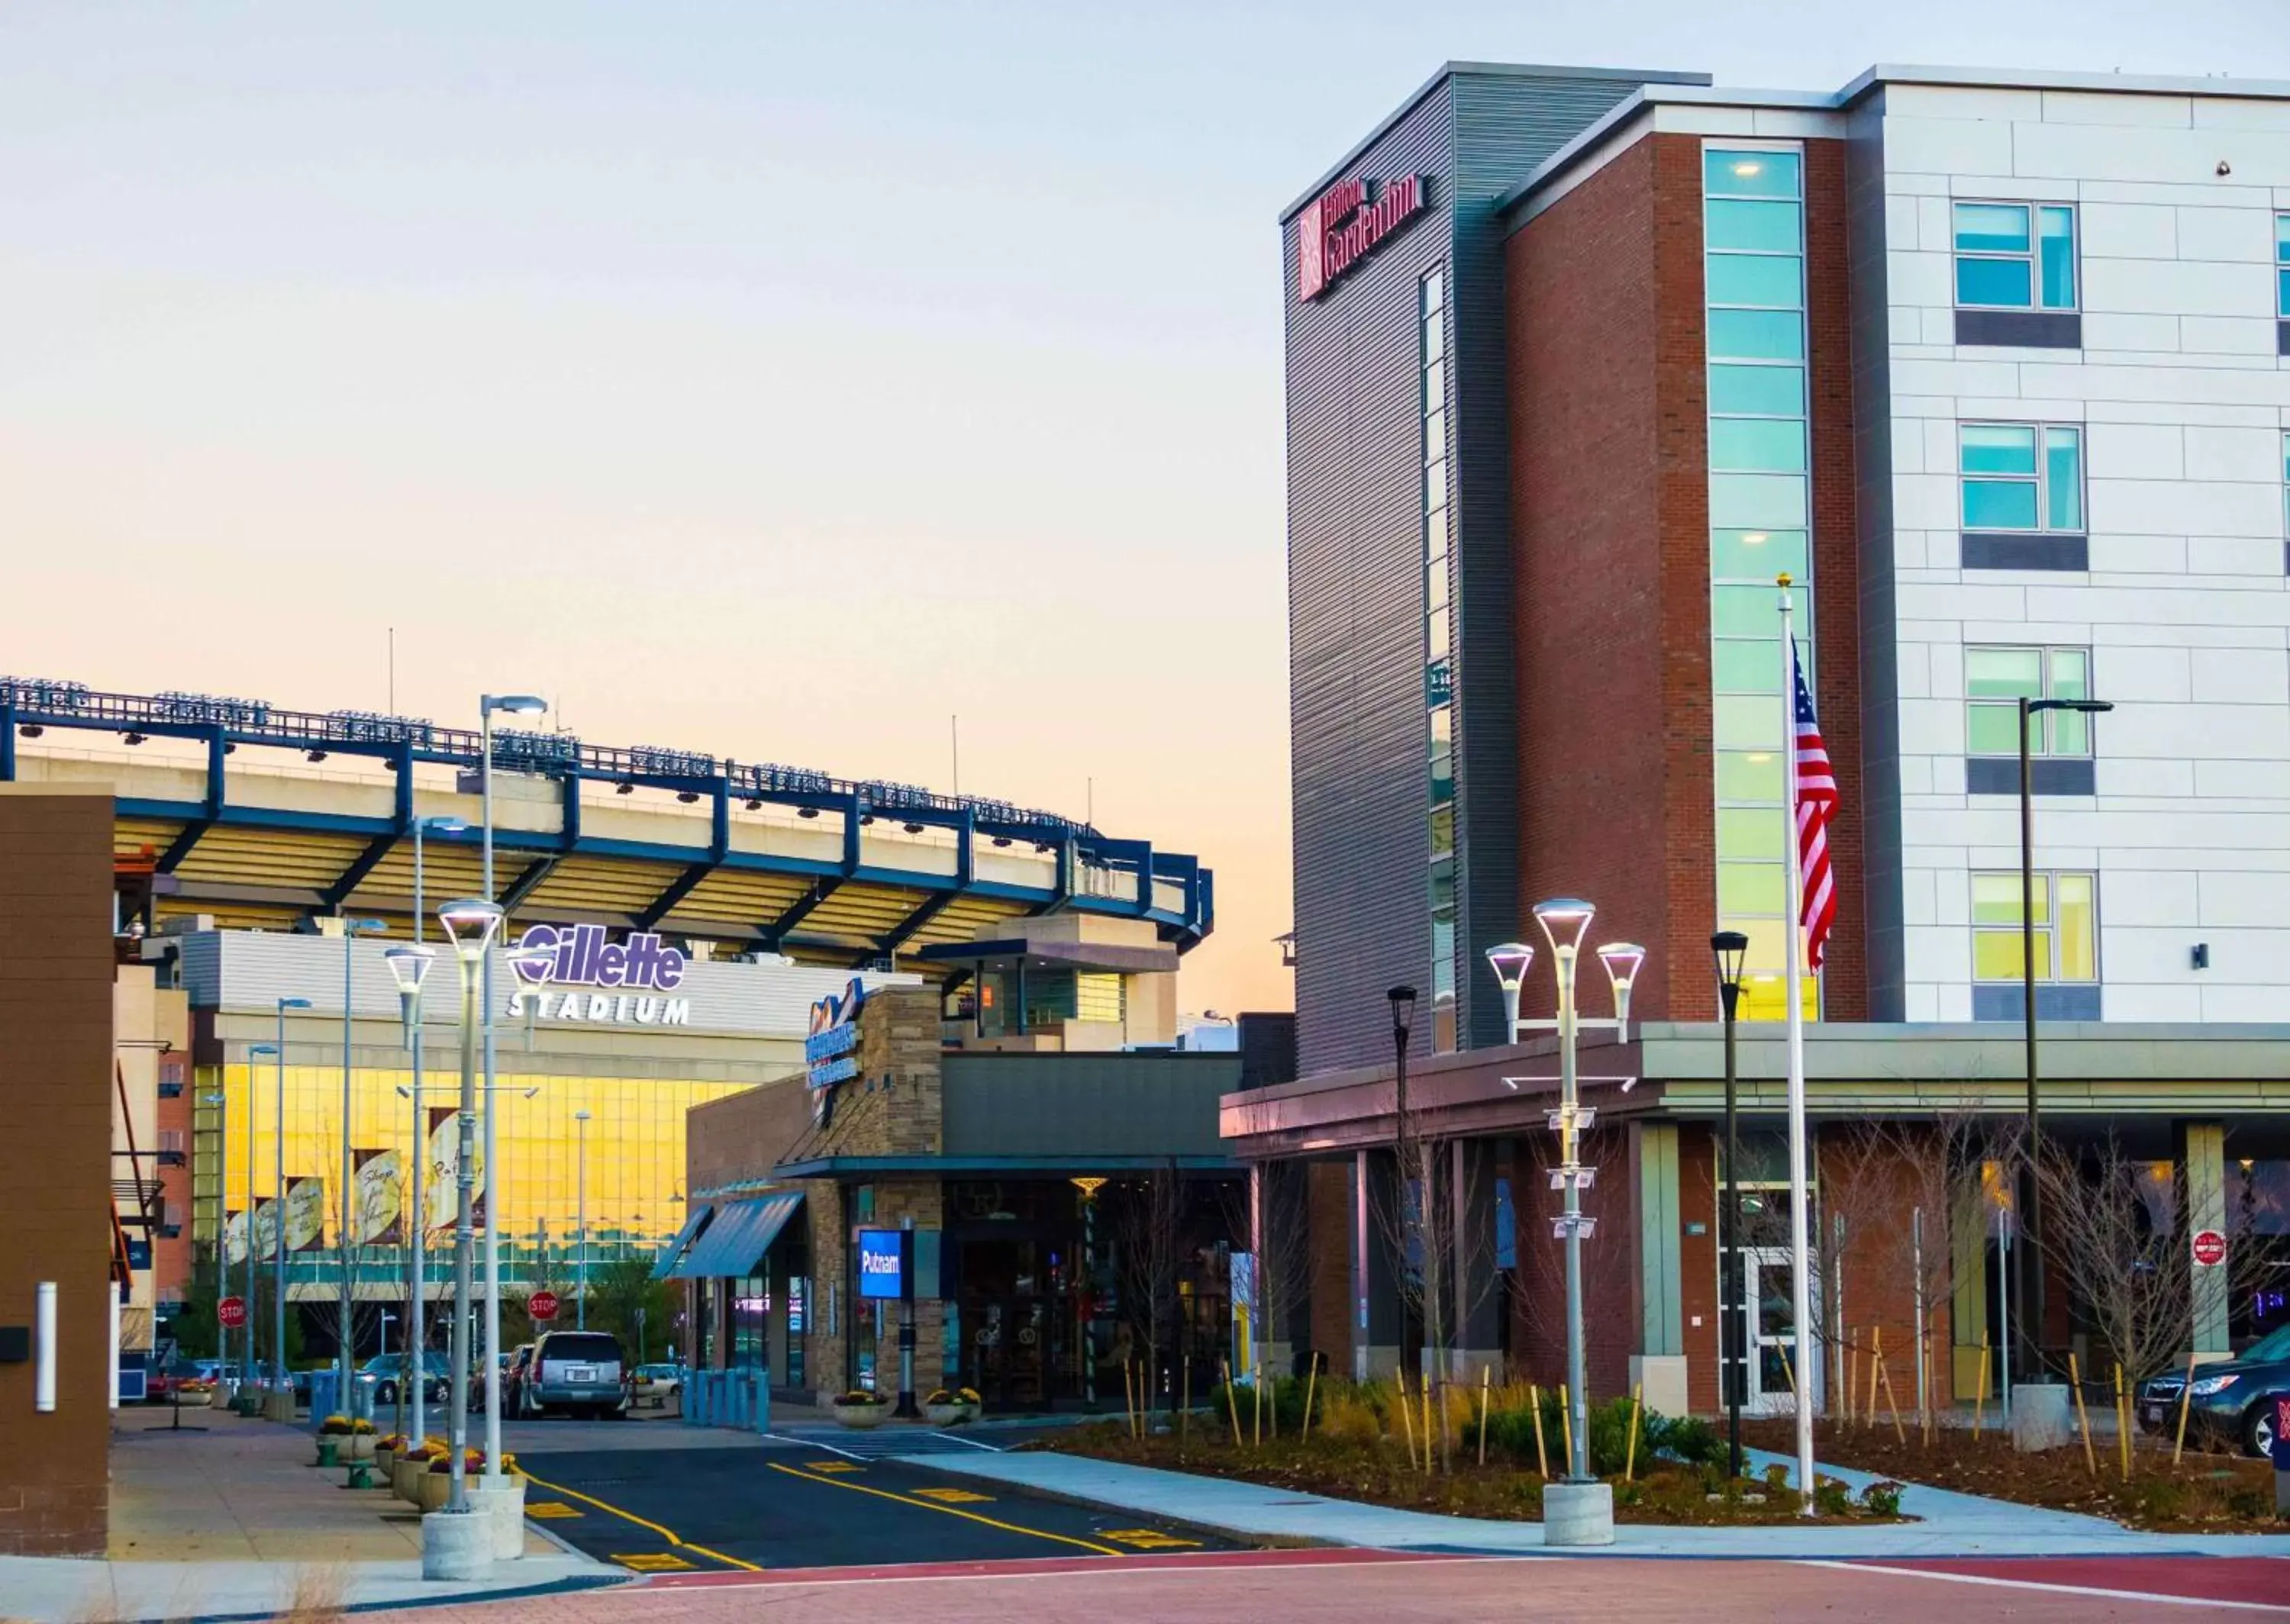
671,1510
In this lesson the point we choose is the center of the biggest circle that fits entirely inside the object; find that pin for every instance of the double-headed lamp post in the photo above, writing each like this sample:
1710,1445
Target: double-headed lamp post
409,967
278,1203
344,1207
471,925
1564,921
488,705
2031,1311
1729,947
581,1221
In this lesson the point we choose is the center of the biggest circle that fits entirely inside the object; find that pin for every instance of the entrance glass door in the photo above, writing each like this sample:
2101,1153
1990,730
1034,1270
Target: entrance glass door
1776,1364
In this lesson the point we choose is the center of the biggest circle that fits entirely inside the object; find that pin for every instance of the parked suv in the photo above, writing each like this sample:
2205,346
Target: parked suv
2233,1399
575,1370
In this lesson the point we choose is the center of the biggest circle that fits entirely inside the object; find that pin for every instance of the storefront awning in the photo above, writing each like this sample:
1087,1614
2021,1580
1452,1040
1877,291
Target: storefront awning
742,1232
664,1267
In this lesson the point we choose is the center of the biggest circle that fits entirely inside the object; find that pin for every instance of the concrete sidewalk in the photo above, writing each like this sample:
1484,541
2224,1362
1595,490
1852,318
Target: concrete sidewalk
1950,1524
234,1520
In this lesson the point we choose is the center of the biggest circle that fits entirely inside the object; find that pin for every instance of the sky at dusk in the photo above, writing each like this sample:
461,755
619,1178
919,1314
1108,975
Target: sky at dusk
770,380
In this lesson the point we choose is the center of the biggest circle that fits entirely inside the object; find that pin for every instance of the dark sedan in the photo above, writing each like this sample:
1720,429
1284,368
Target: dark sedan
2232,1400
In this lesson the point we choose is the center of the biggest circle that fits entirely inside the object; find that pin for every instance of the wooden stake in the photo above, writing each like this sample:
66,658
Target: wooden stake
1428,1466
1406,1412
1980,1399
2123,1436
1185,1413
2083,1417
1129,1398
1311,1387
1482,1414
1932,1365
1630,1454
2185,1394
1789,1372
1231,1399
1272,1410
1535,1403
1256,1418
1892,1399
1566,1425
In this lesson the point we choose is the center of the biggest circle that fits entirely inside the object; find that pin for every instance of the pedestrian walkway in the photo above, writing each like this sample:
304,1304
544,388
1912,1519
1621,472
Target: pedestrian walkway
885,1443
234,1520
1948,1524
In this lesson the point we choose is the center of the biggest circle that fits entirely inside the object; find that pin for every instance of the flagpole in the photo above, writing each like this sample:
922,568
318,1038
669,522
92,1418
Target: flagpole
1792,986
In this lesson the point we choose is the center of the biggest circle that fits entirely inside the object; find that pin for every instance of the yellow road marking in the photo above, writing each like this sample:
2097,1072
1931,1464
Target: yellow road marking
652,1561
955,1497
837,1466
669,1534
1149,1539
549,1509
928,1505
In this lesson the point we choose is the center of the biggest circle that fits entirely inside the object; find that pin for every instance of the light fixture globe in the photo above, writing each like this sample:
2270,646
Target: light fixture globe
517,704
1621,960
409,967
1564,921
1510,961
442,825
471,923
1402,1000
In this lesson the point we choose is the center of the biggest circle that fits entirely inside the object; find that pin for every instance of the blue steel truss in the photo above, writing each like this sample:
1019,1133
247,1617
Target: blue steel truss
28,707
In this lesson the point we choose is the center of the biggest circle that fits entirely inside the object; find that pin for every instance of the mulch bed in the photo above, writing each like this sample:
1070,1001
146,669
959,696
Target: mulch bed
2205,1493
1380,1474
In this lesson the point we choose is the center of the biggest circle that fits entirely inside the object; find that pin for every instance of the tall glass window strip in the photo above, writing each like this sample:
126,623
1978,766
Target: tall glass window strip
2023,476
2015,256
2282,266
1760,517
1439,652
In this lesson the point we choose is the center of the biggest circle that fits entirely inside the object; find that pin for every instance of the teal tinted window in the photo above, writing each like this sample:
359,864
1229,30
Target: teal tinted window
2062,479
1769,227
1754,444
1997,448
1757,501
2009,282
1749,775
1757,555
1760,391
1754,612
1749,174
1748,722
1757,335
1770,279
1991,227
1997,504
2055,256
1742,665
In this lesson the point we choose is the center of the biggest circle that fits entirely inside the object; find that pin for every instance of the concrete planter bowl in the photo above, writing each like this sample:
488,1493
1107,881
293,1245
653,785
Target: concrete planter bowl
859,1417
405,1474
946,1415
361,1447
433,1489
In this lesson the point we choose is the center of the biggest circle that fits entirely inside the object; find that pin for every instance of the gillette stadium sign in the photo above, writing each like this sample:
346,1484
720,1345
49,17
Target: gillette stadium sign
589,977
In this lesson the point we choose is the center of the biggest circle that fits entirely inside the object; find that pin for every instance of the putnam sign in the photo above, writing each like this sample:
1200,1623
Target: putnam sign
1342,226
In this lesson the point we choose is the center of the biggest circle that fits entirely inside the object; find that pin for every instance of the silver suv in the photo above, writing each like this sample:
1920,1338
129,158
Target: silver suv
577,1372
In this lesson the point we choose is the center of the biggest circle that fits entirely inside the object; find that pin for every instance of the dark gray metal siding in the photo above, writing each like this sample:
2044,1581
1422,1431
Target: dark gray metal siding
1085,1105
1355,569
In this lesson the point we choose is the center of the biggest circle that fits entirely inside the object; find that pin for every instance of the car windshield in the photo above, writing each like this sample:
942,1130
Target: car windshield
2274,1346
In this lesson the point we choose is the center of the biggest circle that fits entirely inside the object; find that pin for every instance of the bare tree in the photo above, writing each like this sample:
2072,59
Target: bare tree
1280,1240
1940,1180
1148,1228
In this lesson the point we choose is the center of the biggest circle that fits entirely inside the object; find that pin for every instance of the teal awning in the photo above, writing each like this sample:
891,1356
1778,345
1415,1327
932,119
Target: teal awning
664,1267
736,1242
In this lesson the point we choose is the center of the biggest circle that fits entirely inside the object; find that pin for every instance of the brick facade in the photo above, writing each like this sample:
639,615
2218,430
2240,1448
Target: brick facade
55,1183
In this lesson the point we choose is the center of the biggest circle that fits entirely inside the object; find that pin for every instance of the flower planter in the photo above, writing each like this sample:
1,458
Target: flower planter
406,1475
860,1417
361,1447
946,1415
385,1462
434,1490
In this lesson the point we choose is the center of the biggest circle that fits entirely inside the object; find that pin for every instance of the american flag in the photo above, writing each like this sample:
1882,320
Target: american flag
1813,794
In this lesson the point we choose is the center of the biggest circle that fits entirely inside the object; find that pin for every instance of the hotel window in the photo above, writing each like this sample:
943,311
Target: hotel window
2020,495
2059,742
1438,653
2067,927
2015,256
1760,507
2282,266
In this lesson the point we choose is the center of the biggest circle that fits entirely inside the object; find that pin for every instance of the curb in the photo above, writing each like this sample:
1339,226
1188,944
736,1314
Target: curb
1251,1539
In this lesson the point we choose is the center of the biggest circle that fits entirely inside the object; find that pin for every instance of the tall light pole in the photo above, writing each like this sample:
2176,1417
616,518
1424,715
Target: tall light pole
2031,1271
278,1203
471,925
345,1358
1402,1000
409,967
581,1266
221,1102
523,705
1729,947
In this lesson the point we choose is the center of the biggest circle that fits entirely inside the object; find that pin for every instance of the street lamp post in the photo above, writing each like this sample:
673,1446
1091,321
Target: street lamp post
346,1357
509,704
1729,947
469,925
221,1103
581,1209
2031,1271
409,967
1402,1000
278,1203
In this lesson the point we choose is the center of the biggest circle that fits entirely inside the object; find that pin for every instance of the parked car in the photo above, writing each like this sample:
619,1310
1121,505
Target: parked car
579,1371
655,1384
178,1381
515,1365
384,1371
2233,1399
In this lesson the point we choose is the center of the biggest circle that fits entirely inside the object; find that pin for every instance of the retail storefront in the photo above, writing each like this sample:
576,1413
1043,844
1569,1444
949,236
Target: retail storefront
1070,1210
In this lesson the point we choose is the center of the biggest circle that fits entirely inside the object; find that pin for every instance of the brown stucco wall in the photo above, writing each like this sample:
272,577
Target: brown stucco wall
55,1191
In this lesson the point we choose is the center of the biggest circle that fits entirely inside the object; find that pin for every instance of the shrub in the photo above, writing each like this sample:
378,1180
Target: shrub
1830,1497
1882,1498
1342,1417
1688,1438
968,1395
858,1397
335,1426
939,1396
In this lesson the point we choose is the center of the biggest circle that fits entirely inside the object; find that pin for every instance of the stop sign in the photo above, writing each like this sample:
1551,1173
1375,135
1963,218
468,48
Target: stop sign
230,1312
2209,1248
542,1305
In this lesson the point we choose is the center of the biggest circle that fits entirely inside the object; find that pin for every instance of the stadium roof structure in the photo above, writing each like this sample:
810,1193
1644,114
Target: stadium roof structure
751,855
